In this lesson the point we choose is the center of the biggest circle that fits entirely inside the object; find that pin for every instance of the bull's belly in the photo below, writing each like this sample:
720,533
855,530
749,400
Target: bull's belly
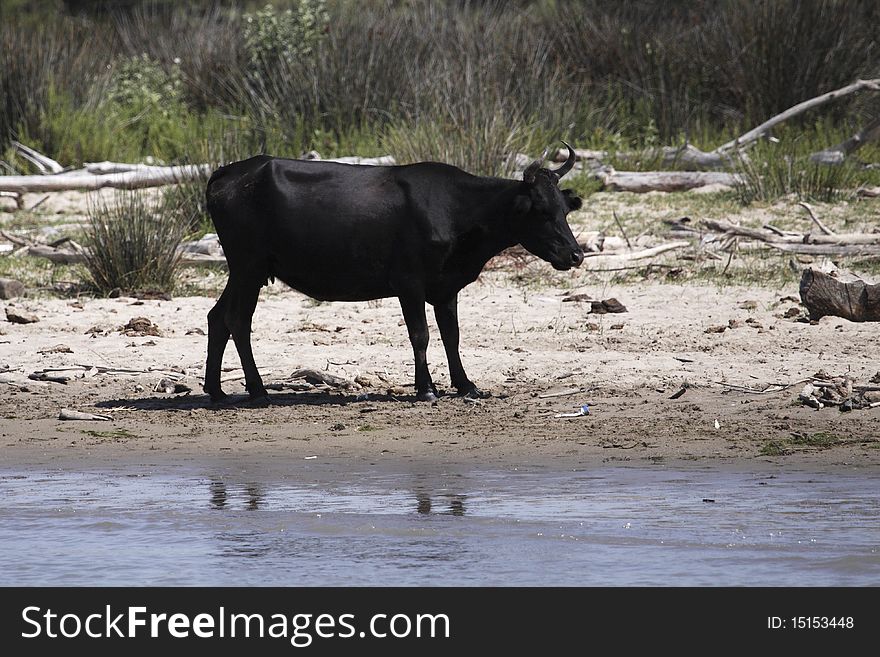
335,287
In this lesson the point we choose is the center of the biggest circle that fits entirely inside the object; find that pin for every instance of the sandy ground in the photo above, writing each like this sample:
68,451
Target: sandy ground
519,343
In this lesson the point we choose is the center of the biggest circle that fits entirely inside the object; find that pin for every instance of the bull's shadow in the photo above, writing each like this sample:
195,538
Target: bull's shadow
280,399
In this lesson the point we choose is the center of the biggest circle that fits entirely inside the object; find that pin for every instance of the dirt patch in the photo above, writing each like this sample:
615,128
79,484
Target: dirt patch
657,385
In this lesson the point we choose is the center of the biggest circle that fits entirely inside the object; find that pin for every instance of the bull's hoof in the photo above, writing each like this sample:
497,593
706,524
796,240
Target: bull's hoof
218,397
429,396
475,393
259,398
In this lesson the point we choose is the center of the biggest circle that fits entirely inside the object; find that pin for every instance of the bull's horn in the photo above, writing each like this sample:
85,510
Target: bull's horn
568,164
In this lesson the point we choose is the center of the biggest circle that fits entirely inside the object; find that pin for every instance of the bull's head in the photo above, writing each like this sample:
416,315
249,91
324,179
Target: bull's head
540,209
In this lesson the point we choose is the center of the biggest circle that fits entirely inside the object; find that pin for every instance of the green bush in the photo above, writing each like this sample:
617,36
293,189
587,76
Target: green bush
273,37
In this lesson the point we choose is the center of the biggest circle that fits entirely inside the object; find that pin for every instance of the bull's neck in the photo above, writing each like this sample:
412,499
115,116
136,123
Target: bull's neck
493,213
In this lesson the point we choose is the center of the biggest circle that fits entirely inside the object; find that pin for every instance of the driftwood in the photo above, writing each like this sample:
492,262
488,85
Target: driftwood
43,163
836,154
691,158
97,175
593,258
839,250
664,181
144,176
824,295
68,414
756,133
839,244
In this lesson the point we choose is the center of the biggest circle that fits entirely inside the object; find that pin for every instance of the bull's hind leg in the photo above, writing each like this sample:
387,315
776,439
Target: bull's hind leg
218,336
239,312
447,321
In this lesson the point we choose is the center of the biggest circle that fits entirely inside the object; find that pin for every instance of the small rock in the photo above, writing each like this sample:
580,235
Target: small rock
794,311
195,331
17,317
612,305
734,323
748,304
720,328
10,288
364,381
165,385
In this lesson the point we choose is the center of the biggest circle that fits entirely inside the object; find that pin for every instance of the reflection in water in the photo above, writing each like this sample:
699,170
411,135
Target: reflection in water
455,503
220,496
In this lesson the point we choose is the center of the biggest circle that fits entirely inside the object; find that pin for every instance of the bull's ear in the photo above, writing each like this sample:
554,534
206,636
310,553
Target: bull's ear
531,171
574,201
522,205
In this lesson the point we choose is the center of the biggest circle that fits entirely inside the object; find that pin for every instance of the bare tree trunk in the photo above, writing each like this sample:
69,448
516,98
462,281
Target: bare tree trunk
825,295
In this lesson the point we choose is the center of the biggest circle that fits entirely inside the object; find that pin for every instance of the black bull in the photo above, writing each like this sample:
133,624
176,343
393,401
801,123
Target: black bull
340,232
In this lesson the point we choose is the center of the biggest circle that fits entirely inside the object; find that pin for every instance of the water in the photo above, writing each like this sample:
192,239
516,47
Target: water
308,523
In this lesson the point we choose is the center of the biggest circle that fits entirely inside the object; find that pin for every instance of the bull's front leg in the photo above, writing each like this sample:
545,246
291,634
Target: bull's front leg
413,307
447,321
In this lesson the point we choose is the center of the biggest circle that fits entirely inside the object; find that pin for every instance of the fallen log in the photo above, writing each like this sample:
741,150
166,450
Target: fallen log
67,257
824,295
664,181
840,250
146,176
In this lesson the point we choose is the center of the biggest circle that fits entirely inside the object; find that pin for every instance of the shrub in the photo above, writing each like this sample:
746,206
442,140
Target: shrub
770,171
133,243
273,37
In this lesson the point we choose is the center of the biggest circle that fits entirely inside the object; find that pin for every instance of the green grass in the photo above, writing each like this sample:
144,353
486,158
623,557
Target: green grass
819,440
823,439
113,434
772,448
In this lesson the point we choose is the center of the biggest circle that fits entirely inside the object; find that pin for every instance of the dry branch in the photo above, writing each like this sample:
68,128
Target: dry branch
756,133
822,227
691,158
626,256
43,163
